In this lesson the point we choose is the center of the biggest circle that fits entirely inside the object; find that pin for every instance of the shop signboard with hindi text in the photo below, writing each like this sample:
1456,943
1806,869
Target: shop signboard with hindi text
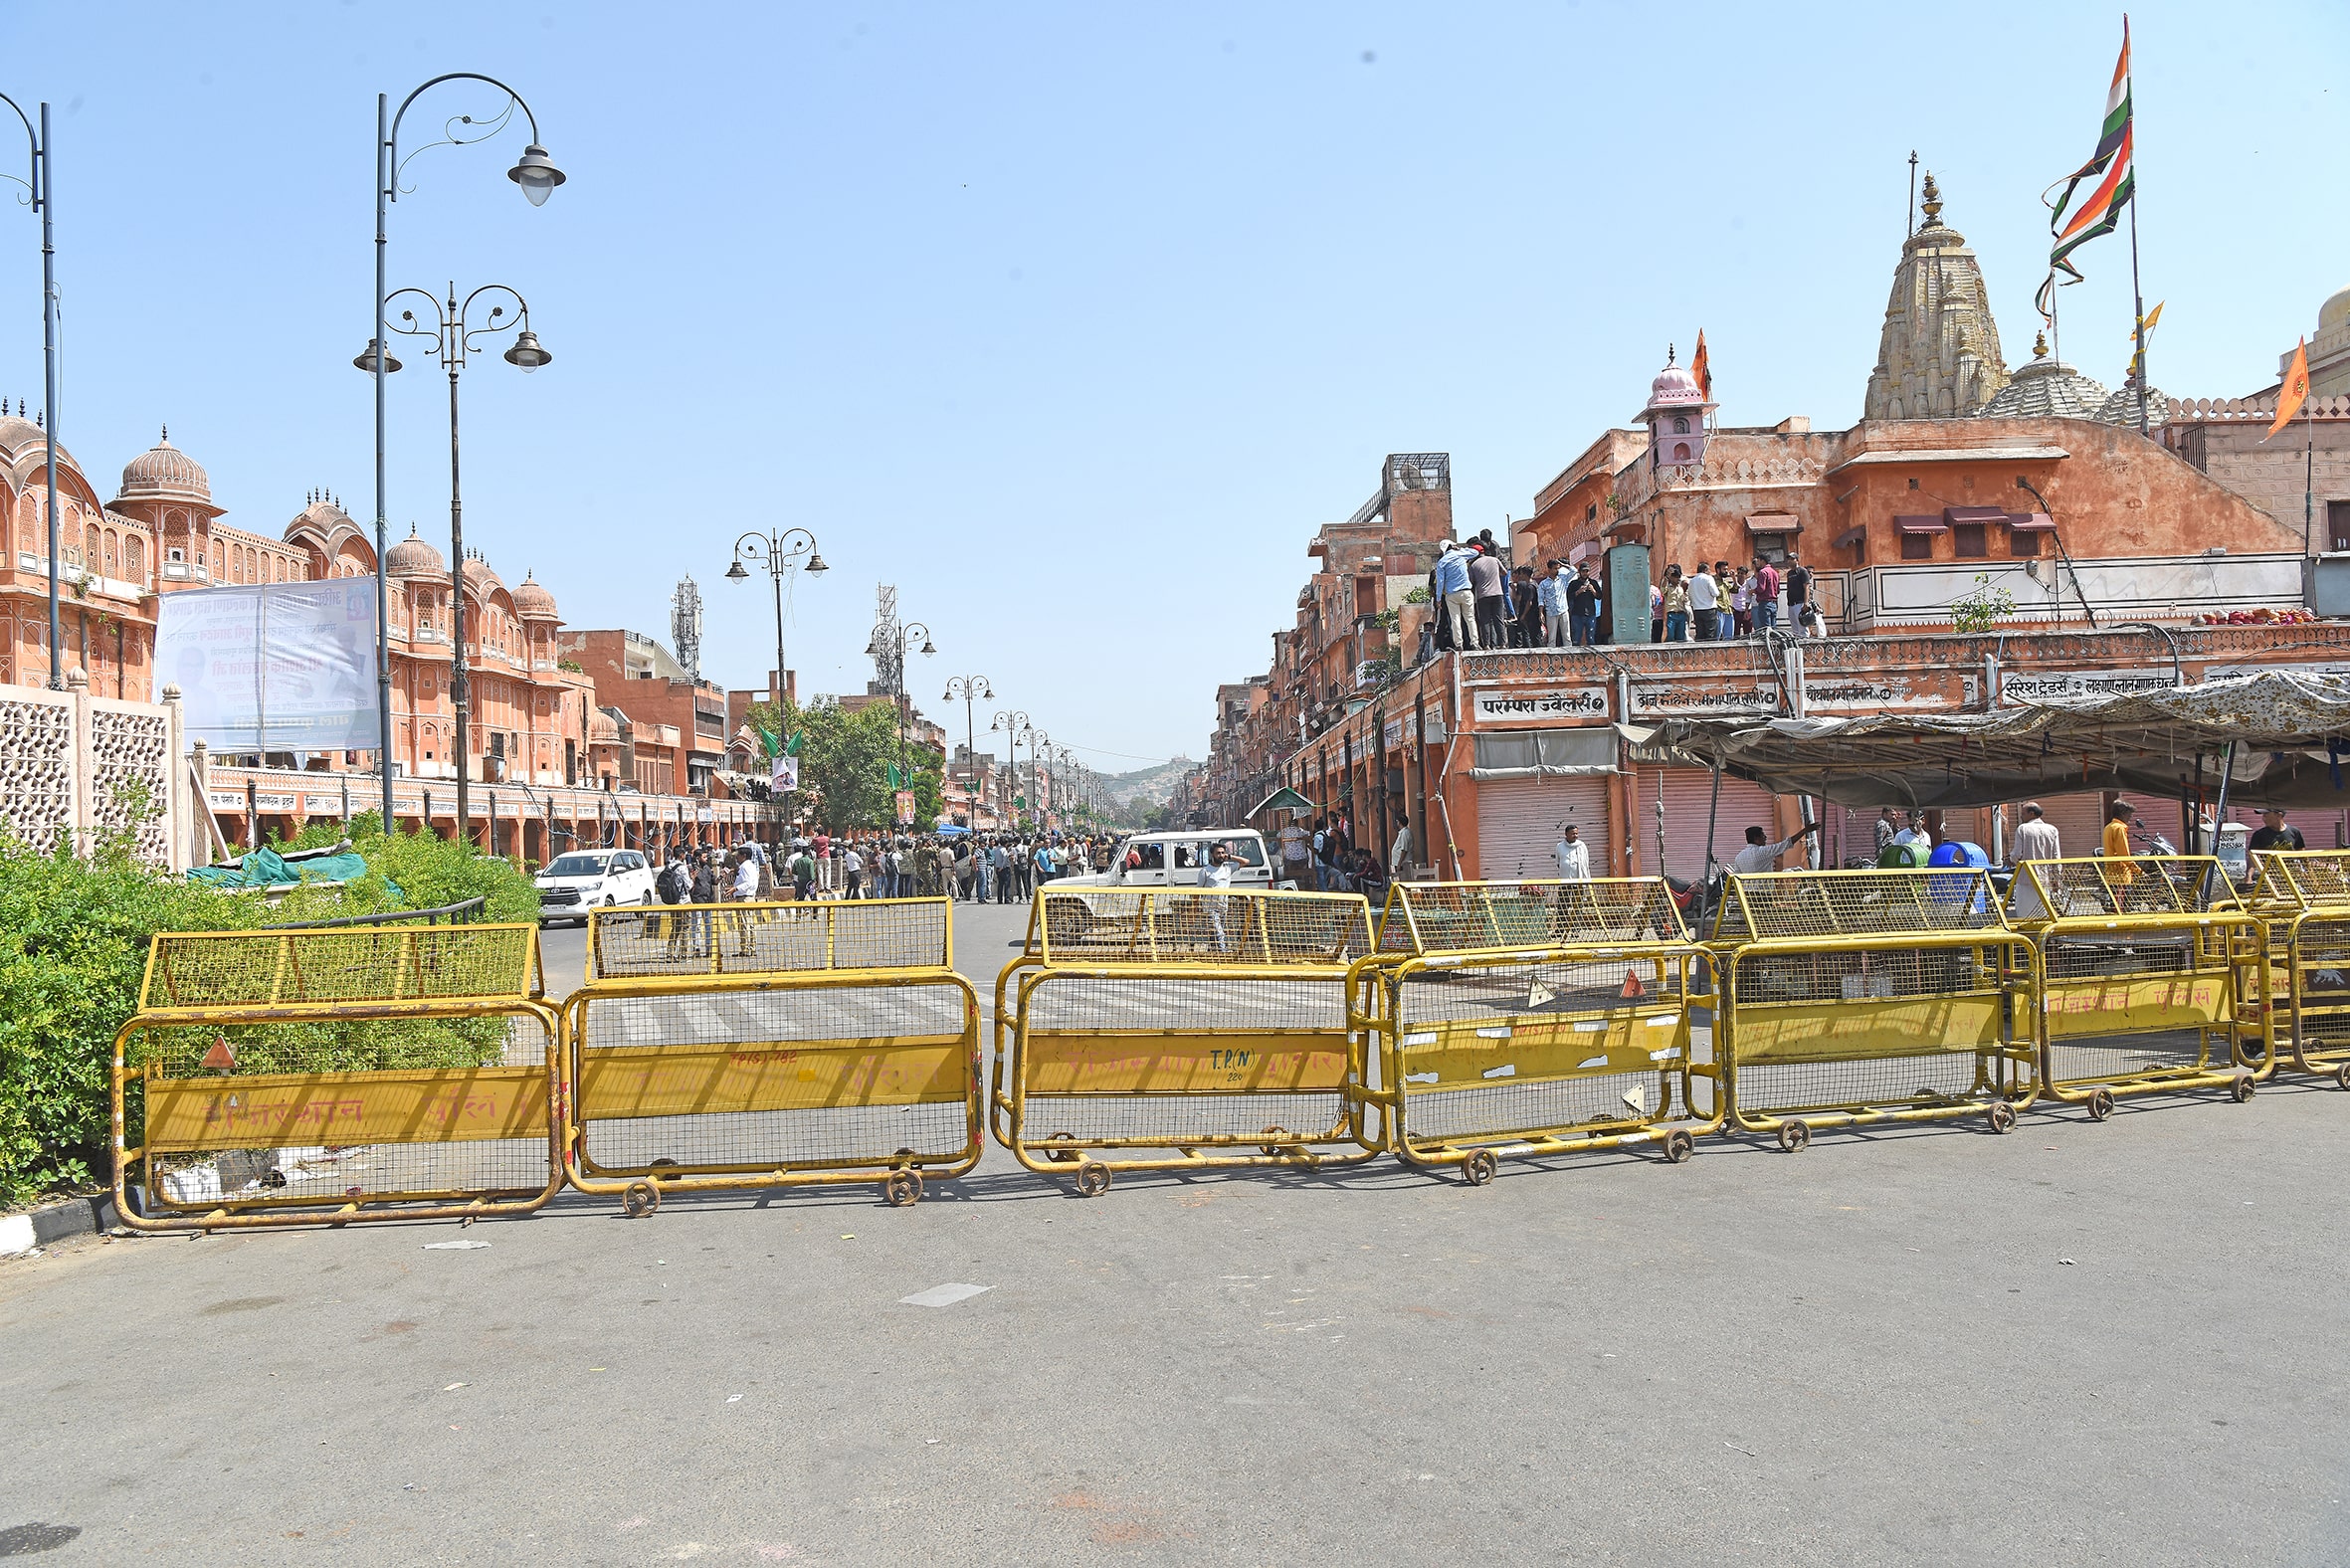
2019,687
1501,706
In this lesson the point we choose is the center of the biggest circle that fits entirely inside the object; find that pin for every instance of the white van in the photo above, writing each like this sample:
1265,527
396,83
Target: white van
586,880
1175,859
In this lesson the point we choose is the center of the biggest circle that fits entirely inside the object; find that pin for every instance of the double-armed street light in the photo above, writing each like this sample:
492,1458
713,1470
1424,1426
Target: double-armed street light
779,553
896,639
1013,724
44,203
451,337
1039,743
970,689
535,173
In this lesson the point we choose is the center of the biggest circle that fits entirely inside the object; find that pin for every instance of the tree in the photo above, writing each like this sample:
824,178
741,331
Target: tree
845,763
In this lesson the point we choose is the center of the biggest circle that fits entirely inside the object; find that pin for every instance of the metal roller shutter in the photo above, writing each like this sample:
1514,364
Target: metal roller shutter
1517,821
1688,799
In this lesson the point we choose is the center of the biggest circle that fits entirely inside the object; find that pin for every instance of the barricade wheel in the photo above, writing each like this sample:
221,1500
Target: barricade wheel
1794,1136
2100,1103
2002,1116
2240,1088
904,1189
1275,1131
1093,1178
2342,1076
1678,1147
1062,1156
639,1199
1478,1169
663,1165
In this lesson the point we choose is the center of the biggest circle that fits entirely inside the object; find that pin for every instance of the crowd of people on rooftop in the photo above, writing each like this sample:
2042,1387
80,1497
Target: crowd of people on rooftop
1482,603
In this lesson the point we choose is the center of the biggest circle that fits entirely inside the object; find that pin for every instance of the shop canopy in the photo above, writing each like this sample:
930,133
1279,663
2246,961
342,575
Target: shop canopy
1282,798
2288,735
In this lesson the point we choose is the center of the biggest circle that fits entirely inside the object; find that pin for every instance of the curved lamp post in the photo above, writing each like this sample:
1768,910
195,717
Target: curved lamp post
779,554
537,176
1013,724
450,338
43,204
970,689
904,635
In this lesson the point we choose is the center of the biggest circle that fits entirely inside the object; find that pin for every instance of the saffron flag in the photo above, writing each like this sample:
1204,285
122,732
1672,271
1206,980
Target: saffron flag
1701,368
2296,390
2111,175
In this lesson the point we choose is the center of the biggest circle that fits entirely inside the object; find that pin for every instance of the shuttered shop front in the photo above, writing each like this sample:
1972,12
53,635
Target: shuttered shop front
1517,821
1689,803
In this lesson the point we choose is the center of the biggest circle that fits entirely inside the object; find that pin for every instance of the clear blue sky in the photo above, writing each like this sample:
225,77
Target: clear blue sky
1076,321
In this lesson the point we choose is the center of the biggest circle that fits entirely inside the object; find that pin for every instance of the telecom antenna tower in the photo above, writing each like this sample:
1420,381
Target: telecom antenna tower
686,626
889,644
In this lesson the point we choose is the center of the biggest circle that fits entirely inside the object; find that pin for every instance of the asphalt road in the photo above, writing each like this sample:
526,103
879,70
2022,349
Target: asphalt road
2074,1344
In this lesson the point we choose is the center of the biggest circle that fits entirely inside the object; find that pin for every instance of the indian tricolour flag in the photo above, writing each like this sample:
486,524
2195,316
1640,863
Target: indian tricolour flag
2110,178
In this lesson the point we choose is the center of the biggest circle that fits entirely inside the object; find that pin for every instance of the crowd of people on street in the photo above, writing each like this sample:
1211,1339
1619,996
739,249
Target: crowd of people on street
1480,602
1320,856
999,868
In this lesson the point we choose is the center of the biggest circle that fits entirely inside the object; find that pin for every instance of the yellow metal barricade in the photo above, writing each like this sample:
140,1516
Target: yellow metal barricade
2305,897
1139,1029
1868,996
734,1047
2152,975
357,1072
1535,1018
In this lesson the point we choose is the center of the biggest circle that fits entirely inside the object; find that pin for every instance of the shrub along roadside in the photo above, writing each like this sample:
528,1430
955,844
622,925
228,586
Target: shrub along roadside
74,938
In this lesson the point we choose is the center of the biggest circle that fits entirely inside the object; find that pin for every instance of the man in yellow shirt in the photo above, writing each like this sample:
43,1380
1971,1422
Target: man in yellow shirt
2116,847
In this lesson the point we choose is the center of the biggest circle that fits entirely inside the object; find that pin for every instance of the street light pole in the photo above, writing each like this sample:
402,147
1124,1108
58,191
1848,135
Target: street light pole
1012,723
778,553
973,687
537,176
1038,741
450,339
44,203
904,635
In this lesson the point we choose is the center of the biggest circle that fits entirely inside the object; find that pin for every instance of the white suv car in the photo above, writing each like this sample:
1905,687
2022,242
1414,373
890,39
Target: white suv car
586,880
1175,860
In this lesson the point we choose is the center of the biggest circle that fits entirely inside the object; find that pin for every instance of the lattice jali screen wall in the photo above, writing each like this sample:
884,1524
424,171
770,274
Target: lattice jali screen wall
130,758
73,762
36,765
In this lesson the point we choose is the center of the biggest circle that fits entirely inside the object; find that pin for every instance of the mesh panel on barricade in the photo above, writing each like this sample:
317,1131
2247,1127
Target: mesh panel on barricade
1426,917
1575,1050
2318,956
1093,925
1767,904
2152,976
1163,1060
769,938
363,964
775,1078
2303,879
1873,994
384,1111
2144,885
1874,1028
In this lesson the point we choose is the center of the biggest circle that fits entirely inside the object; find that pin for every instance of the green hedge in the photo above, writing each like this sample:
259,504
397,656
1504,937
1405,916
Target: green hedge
74,937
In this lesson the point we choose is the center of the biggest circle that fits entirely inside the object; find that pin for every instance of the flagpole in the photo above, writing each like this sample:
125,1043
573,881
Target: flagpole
2137,295
2308,473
